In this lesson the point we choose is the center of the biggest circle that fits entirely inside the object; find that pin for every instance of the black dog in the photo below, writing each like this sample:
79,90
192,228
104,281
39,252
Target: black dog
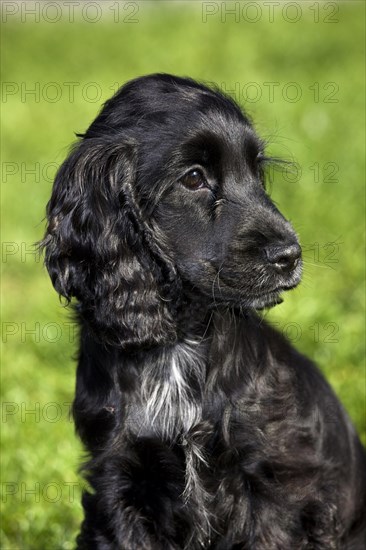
205,428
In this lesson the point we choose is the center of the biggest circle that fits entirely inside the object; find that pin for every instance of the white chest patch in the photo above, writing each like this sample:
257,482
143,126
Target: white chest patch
172,389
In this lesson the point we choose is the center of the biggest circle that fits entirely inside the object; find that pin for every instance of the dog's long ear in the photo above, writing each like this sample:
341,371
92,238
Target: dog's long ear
99,249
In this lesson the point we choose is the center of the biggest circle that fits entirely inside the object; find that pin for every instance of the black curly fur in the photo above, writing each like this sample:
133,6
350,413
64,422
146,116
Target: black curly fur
205,428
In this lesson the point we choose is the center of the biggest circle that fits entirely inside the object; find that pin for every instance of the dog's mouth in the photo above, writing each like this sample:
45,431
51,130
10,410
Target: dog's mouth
271,298
265,299
224,292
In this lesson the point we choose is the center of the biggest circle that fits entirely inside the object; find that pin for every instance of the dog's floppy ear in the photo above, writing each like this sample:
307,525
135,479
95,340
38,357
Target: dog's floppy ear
99,249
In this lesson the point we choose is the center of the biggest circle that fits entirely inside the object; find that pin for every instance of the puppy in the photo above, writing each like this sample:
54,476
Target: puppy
205,428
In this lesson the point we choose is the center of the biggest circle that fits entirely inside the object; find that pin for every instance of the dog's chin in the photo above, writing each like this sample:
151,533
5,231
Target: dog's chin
266,301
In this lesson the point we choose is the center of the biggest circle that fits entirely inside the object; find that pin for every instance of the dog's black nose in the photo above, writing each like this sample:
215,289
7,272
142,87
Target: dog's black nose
284,258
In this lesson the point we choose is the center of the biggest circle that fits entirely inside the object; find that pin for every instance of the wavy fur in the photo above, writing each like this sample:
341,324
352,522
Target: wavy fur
204,427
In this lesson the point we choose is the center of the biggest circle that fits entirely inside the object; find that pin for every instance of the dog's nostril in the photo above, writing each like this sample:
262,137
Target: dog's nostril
284,258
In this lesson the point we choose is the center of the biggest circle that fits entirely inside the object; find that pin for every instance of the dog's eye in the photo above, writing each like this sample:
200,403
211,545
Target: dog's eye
194,179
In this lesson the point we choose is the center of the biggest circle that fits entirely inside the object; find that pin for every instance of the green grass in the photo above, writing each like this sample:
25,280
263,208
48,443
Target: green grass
325,316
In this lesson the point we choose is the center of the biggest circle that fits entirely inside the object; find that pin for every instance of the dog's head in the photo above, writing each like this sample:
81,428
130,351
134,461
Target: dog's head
165,190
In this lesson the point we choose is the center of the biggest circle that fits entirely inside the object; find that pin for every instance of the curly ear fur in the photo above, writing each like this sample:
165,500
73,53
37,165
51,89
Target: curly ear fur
99,249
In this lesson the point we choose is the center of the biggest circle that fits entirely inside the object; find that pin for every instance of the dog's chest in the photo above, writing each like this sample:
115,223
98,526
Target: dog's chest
172,389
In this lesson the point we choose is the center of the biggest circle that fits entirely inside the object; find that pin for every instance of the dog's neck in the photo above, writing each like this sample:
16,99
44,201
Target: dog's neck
195,313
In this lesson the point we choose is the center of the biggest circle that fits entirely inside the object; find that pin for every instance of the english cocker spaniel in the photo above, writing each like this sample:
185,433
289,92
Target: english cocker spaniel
205,428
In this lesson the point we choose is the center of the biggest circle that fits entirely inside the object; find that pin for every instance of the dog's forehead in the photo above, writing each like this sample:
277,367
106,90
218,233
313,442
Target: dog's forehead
215,129
225,126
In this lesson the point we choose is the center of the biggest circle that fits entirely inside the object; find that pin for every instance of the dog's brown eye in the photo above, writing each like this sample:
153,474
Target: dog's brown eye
194,179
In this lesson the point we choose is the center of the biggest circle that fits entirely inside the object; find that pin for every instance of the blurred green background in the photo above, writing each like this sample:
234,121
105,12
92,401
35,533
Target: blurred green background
298,68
